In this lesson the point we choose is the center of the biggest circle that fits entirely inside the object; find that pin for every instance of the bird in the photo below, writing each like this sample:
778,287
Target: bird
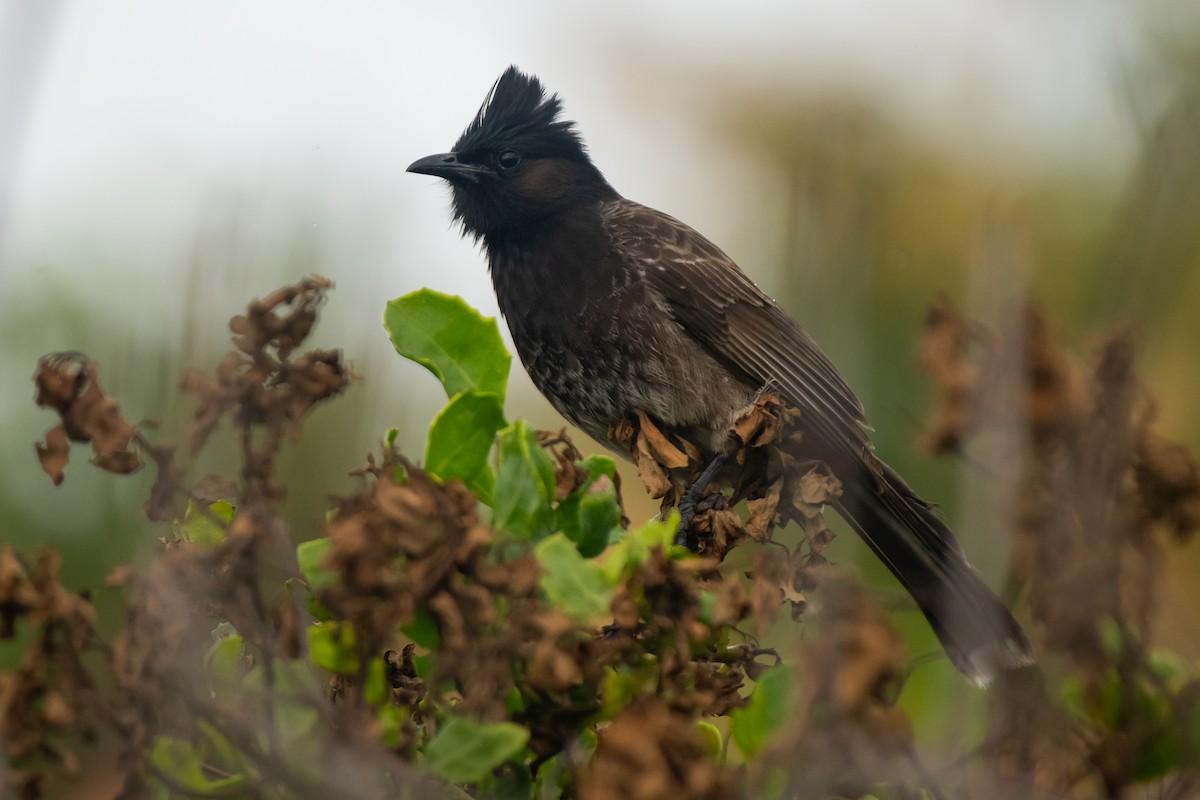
616,308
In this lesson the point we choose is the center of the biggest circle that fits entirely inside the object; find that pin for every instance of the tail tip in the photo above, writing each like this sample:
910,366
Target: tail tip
984,664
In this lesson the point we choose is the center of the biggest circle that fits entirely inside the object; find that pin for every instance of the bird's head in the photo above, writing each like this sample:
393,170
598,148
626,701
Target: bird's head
517,163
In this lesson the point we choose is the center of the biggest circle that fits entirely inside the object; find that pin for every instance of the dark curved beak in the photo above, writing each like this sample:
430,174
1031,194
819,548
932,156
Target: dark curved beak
447,165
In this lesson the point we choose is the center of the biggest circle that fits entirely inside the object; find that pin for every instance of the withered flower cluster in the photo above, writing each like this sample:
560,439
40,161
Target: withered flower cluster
1094,496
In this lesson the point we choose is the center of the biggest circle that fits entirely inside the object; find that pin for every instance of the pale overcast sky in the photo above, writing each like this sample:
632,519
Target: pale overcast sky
158,158
141,108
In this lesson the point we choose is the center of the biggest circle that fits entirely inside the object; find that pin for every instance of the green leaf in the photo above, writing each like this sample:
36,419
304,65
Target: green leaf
1187,725
391,720
714,742
449,338
205,525
375,687
331,647
318,611
512,782
300,591
1111,636
599,514
751,725
181,761
1070,696
294,682
576,585
555,775
225,661
309,555
621,685
422,630
1158,754
706,605
1109,701
464,750
636,546
597,466
1170,668
524,483
426,666
460,439
587,516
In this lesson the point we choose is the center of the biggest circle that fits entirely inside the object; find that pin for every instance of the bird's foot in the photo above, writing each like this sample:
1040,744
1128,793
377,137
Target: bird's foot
691,498
688,512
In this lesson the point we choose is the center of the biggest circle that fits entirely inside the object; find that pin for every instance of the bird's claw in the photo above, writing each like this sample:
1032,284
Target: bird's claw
687,511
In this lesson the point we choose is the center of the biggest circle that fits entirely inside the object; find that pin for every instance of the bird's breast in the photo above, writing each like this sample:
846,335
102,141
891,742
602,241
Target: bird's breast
600,343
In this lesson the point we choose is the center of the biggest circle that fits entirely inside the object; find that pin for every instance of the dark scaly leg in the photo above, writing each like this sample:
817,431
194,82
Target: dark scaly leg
687,506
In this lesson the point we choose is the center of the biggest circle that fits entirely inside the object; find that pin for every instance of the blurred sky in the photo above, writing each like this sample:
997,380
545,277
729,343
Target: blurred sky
162,162
126,118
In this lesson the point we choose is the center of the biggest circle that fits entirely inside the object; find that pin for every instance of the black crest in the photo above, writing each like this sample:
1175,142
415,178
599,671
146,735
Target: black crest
518,113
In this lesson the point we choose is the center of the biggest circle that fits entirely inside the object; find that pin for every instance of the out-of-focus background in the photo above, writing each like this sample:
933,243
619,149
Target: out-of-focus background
162,163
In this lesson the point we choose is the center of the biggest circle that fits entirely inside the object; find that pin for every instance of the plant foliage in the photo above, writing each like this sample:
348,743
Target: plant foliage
488,622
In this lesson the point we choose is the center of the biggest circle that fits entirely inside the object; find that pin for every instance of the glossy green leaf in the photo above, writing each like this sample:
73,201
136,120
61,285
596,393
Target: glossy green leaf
524,483
461,438
599,515
598,465
462,348
464,750
571,582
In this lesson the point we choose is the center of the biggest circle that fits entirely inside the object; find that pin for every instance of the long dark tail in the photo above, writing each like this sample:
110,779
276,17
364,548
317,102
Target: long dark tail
977,631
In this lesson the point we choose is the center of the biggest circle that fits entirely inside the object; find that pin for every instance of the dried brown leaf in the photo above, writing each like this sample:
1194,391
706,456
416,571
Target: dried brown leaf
761,521
943,356
653,476
758,424
54,453
68,383
651,752
1168,480
653,442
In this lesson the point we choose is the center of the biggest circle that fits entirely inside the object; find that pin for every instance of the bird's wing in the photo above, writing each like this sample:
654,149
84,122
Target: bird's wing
739,325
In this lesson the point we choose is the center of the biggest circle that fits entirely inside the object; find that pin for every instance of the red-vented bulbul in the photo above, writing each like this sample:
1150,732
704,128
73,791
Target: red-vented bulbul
615,307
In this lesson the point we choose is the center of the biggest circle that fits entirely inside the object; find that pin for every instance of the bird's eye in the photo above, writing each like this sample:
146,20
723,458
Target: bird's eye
508,159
